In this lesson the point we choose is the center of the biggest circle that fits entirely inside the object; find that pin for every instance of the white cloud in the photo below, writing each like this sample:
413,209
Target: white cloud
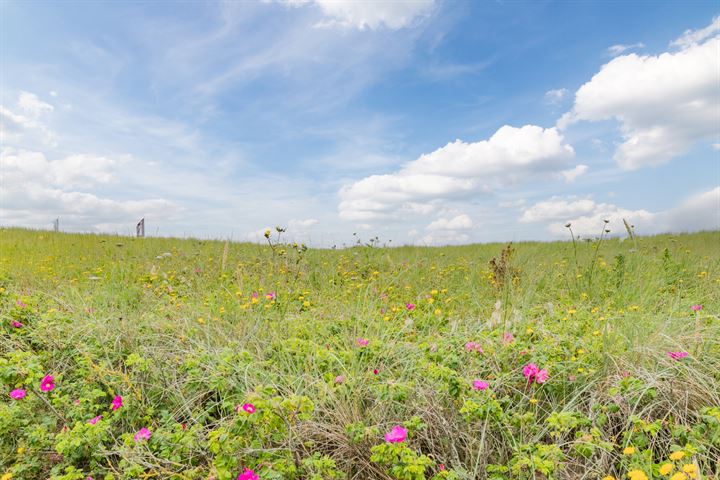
572,174
443,238
693,37
30,103
699,212
15,127
296,224
29,167
457,170
616,50
555,97
716,146
363,14
460,222
664,103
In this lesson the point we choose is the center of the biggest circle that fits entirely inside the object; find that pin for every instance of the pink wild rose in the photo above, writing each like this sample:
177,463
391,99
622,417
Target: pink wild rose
93,421
18,394
142,434
116,403
480,385
248,474
47,383
397,435
677,355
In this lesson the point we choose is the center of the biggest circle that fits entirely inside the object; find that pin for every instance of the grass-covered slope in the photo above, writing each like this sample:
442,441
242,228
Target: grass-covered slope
246,361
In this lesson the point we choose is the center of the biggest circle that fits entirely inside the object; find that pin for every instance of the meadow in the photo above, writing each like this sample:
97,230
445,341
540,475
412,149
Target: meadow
158,358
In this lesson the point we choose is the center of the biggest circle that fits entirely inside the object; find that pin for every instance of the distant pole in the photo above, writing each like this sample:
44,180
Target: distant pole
140,228
56,224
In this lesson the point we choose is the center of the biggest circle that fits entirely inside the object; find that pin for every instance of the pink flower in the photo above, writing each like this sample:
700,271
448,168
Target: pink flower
677,355
473,347
248,474
16,324
508,337
480,385
47,383
142,434
376,371
18,394
410,306
530,370
340,379
20,304
363,342
248,408
116,403
542,376
270,295
93,421
397,435
696,308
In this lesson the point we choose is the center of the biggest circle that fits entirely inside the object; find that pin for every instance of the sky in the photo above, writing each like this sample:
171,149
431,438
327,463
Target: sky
418,122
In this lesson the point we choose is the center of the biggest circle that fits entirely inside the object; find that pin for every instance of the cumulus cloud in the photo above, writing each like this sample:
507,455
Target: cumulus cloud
30,103
363,14
616,50
664,103
302,224
693,37
460,222
699,212
556,96
572,174
456,171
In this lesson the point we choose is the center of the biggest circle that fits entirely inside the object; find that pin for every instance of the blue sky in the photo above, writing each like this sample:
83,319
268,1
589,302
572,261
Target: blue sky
424,122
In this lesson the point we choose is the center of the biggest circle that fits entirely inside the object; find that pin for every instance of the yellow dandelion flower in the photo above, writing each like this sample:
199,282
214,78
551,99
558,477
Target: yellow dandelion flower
637,475
608,477
675,456
679,476
628,450
201,321
666,469
6,476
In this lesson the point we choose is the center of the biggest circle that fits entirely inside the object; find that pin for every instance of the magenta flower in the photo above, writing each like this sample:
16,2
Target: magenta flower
410,306
93,421
340,379
142,434
530,370
375,371
248,408
677,355
116,403
16,324
696,308
363,342
480,385
248,474
542,376
47,383
18,394
397,435
270,295
508,337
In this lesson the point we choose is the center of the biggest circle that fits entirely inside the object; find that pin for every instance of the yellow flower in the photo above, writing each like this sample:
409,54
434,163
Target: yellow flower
637,475
690,469
7,476
666,469
533,401
201,321
679,476
629,450
609,477
677,455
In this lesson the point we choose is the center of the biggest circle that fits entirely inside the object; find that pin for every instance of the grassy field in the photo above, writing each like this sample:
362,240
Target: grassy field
183,359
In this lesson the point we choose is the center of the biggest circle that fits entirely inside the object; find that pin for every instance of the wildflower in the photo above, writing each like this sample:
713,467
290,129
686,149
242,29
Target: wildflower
116,403
142,434
363,342
18,394
529,371
93,421
397,435
696,308
248,408
480,385
340,379
666,468
6,476
637,475
20,304
690,469
608,477
375,371
542,376
677,355
629,450
47,383
270,295
410,306
16,324
675,456
508,337
679,476
472,346
248,474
